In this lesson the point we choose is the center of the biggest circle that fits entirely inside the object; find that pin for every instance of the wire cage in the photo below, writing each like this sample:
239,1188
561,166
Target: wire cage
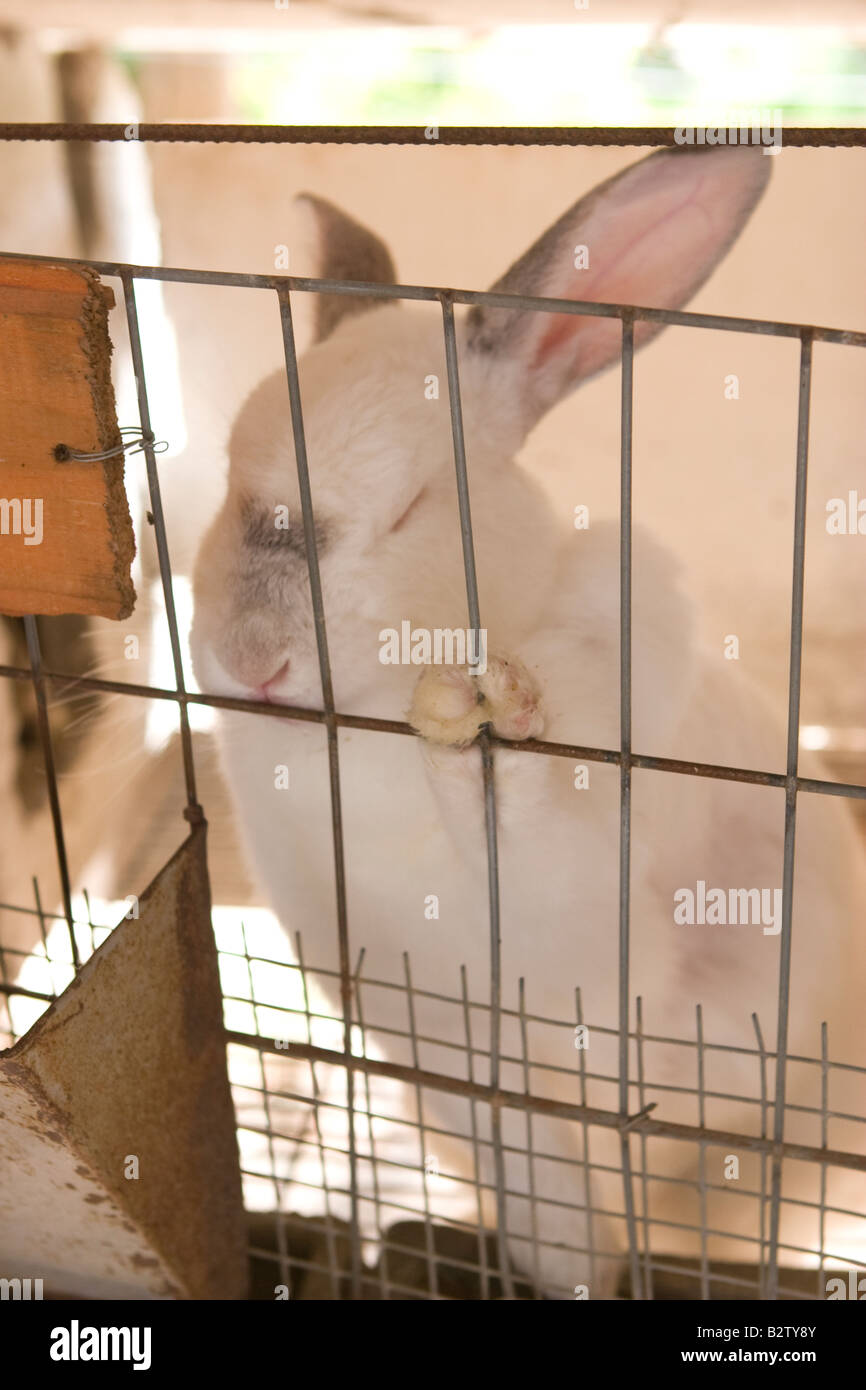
343,1178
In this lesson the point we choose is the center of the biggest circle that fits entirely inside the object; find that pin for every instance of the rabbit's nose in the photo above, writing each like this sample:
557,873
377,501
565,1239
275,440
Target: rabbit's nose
265,689
254,651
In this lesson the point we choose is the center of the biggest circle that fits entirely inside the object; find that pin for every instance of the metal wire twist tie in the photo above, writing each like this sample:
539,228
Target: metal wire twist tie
631,1120
141,440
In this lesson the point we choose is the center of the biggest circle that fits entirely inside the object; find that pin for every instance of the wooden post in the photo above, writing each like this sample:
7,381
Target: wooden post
66,539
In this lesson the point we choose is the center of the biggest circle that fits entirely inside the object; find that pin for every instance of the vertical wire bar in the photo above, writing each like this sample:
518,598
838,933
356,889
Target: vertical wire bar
489,794
333,1262
460,467
822,1211
476,1148
533,1200
429,1243
37,897
86,896
762,1268
642,1101
495,1016
6,999
266,1098
702,1154
385,1287
193,812
794,674
34,650
587,1166
294,387
626,407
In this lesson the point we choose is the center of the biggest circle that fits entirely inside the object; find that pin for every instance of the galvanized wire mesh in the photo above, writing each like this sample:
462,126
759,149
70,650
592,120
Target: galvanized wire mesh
342,1122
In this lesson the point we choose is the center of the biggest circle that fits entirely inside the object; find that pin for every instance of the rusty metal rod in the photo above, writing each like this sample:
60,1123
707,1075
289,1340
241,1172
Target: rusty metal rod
554,1109
853,790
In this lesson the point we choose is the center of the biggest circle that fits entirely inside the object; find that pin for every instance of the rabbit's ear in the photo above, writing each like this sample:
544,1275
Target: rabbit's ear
648,236
346,251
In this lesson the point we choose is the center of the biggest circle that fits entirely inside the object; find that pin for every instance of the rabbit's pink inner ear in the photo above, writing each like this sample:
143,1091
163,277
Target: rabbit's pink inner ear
649,236
655,255
575,346
562,327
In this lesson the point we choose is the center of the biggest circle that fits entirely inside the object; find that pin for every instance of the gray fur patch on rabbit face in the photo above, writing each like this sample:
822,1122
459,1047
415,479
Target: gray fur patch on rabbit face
274,564
268,615
260,532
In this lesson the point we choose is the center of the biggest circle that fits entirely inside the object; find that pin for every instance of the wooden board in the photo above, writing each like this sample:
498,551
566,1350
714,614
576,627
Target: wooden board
66,539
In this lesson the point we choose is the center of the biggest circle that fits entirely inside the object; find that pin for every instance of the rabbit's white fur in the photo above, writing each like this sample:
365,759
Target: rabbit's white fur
389,548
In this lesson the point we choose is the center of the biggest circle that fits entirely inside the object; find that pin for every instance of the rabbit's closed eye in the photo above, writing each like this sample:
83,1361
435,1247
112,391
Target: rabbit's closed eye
266,529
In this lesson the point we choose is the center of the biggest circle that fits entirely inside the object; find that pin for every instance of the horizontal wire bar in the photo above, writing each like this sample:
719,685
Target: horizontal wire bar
396,1205
183,132
368,1275
302,1102
494,298
680,766
521,1237
737,1281
484,1006
659,1088
552,1069
554,1109
13,990
442,1257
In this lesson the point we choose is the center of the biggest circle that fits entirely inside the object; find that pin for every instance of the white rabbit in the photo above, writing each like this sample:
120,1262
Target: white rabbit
384,493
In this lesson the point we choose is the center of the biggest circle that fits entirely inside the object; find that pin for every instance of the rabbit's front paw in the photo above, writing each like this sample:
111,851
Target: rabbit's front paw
451,703
512,698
